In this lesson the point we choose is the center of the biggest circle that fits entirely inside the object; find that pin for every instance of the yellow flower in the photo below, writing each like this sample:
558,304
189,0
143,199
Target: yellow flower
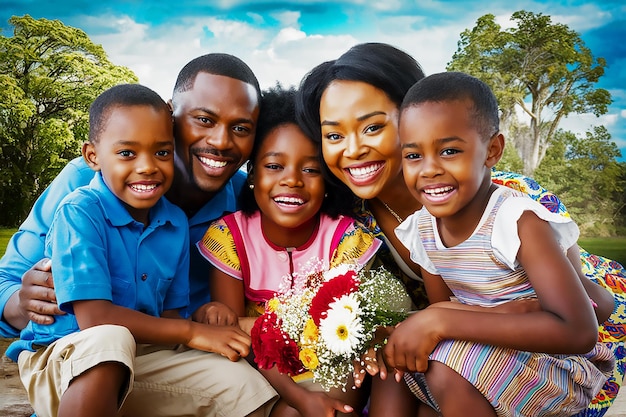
272,304
310,333
308,358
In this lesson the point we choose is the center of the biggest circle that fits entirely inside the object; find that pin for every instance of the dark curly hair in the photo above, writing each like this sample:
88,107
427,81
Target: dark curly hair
278,108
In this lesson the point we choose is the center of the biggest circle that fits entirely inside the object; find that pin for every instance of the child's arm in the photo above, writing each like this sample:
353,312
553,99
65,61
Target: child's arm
229,341
228,291
565,324
307,403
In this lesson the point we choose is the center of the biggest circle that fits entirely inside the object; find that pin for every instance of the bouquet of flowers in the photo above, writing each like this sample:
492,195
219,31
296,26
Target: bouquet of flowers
325,320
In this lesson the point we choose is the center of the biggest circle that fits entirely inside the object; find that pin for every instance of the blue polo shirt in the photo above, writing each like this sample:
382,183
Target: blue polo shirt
26,247
99,252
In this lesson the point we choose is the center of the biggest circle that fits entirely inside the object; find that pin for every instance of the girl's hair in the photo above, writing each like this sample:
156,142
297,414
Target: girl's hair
448,86
379,64
122,95
278,108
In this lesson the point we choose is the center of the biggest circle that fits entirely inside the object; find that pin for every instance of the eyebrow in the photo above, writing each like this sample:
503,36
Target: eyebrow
441,141
360,118
217,116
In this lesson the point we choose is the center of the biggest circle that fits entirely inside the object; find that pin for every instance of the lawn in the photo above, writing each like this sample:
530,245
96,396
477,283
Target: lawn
613,248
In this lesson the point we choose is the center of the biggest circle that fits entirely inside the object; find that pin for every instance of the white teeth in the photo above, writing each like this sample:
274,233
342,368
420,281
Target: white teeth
212,162
436,191
363,171
142,188
289,200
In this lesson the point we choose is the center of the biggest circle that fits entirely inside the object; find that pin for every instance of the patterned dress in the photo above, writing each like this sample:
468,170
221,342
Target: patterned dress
605,272
516,383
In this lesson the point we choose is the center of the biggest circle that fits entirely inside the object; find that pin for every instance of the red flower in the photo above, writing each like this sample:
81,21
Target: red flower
330,291
273,347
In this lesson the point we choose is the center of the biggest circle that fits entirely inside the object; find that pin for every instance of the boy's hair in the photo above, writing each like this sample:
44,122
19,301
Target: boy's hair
216,64
122,95
278,109
447,86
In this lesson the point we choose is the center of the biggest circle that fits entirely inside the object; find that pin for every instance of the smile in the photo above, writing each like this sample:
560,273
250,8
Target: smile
365,171
212,162
289,201
143,188
438,191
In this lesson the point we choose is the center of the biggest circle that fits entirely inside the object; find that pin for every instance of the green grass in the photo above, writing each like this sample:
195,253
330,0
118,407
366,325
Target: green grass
610,247
5,235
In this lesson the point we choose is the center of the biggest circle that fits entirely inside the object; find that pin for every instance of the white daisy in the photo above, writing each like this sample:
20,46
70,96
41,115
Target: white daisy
348,302
342,331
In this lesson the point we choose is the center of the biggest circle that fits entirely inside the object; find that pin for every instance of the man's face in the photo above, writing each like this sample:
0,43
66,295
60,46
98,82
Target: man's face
214,127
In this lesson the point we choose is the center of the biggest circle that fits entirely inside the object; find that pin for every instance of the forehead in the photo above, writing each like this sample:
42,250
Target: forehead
288,139
349,96
438,118
124,121
218,91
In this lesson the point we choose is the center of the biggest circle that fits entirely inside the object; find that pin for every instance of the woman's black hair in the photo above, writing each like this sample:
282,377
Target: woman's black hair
381,65
278,108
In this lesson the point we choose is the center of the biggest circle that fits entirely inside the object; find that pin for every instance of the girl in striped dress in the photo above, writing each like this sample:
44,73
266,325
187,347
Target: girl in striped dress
480,246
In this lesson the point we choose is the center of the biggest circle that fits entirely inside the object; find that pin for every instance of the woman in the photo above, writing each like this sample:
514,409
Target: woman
351,105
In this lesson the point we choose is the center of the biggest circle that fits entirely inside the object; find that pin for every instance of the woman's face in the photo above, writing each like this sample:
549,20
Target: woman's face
360,140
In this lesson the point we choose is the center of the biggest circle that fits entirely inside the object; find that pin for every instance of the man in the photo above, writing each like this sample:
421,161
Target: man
215,106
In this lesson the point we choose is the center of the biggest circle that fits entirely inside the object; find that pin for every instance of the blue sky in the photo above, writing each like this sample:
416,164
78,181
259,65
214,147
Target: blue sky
283,40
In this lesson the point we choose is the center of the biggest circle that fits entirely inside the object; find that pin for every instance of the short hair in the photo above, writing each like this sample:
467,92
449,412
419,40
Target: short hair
278,108
122,95
216,64
447,86
381,65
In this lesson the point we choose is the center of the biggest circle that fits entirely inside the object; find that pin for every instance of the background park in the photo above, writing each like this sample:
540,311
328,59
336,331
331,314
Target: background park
556,67
563,112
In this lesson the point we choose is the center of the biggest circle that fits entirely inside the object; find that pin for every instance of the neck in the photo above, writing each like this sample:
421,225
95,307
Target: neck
187,196
288,237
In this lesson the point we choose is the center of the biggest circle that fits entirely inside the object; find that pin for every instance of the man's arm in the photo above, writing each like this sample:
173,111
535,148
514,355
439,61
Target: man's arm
25,282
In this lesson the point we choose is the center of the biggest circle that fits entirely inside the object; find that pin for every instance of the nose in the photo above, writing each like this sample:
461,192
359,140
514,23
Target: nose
219,137
430,167
292,178
146,165
354,146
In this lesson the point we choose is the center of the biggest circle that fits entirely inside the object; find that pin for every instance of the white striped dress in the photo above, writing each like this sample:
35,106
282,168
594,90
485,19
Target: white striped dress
483,271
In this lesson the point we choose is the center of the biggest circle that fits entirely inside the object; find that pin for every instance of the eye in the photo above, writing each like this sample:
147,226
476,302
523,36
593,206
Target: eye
450,152
164,153
272,166
312,170
205,120
412,156
333,137
373,128
125,153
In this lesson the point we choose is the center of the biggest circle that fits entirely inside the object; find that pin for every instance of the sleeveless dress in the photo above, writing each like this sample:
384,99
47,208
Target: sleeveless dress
235,244
516,383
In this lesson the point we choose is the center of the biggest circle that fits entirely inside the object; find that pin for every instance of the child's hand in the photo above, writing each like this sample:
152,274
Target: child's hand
317,404
215,313
228,341
412,341
372,361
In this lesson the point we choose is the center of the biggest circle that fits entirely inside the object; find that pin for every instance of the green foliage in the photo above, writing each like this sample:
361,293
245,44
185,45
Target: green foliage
539,67
50,74
584,173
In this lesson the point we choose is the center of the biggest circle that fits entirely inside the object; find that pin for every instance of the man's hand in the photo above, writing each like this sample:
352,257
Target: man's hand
215,313
37,299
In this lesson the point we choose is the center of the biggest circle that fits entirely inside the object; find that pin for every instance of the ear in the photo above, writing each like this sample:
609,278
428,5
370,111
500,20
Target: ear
170,105
495,149
90,156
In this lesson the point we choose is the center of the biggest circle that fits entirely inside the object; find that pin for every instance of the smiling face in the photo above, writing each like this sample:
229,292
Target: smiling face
135,153
215,124
288,185
446,161
360,140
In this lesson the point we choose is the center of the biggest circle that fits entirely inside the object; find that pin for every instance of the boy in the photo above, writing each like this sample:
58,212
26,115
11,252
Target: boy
106,243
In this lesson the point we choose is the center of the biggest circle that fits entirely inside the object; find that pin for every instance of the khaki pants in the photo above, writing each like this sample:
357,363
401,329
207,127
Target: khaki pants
163,381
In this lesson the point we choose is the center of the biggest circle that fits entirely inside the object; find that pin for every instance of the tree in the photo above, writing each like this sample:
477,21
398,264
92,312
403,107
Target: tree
542,68
50,74
585,174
